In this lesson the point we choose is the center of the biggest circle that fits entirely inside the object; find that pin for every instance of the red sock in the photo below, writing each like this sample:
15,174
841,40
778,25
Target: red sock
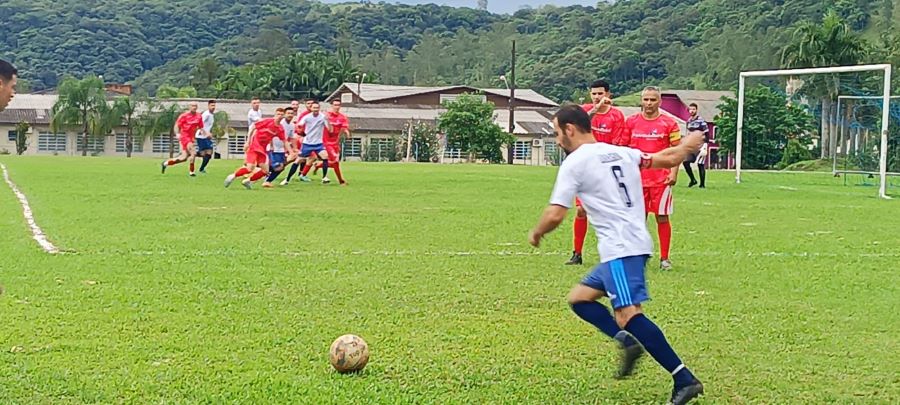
306,170
337,170
665,239
192,167
258,175
172,162
241,171
580,231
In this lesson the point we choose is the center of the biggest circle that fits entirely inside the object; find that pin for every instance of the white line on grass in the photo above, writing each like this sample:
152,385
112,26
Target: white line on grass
36,231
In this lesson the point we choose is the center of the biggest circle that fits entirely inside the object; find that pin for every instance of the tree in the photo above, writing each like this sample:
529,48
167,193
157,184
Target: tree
125,108
831,43
78,102
426,144
22,137
168,92
221,128
159,120
770,125
469,123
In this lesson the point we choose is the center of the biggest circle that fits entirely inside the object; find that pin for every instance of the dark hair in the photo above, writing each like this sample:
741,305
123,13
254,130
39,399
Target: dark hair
694,105
600,84
337,100
210,102
7,71
311,100
254,99
573,114
291,109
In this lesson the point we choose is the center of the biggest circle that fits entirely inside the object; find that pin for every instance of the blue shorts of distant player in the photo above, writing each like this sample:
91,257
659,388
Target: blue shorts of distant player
622,279
204,144
276,159
307,150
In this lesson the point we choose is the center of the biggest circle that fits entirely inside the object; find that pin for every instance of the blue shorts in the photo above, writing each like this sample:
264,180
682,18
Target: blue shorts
276,159
622,279
204,144
307,150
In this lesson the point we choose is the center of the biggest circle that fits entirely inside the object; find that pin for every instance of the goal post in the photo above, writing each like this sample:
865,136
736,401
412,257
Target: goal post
834,158
886,100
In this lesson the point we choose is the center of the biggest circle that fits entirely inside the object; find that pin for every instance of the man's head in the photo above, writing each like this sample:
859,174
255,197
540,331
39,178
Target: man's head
279,114
295,104
693,108
335,106
211,106
8,78
192,107
254,103
599,90
314,108
650,99
573,127
289,113
309,103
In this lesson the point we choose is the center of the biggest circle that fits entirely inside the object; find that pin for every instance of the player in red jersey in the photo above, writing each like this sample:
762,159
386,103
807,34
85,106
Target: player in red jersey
299,162
256,162
340,128
186,126
607,126
652,132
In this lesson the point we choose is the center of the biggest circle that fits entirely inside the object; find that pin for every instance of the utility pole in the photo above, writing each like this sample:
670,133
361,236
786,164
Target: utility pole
512,104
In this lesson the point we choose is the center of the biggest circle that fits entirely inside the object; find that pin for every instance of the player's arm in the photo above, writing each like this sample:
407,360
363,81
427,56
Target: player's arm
250,136
561,200
674,140
673,157
551,218
621,134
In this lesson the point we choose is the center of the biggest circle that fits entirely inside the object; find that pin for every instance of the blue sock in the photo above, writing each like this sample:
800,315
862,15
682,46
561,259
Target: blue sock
293,171
206,159
325,169
596,314
273,175
655,343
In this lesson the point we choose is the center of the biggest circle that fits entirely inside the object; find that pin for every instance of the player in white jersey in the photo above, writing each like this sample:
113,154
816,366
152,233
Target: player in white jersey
254,114
277,150
204,136
314,125
607,179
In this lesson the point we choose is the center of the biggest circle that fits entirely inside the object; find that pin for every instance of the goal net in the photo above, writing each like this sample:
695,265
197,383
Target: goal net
836,119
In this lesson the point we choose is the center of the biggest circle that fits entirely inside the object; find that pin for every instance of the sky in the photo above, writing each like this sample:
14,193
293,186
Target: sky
496,6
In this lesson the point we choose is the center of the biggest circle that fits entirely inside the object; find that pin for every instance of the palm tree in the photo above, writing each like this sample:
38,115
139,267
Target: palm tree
221,128
159,119
78,99
831,43
126,109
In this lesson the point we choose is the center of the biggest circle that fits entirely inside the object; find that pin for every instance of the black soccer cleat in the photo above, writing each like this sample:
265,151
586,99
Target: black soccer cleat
687,393
628,358
575,260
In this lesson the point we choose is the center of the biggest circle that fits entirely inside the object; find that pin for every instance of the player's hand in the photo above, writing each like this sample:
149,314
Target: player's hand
672,178
534,239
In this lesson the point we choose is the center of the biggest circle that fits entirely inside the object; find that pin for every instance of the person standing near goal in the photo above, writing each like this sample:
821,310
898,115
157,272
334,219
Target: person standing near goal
650,132
697,123
606,178
607,126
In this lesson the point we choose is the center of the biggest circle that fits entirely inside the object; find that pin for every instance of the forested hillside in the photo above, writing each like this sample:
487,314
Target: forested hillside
679,43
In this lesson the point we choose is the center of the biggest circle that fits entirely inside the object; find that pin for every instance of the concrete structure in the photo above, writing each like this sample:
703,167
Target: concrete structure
379,118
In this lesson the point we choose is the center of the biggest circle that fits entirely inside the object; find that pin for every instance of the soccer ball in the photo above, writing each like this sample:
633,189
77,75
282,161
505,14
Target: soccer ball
349,353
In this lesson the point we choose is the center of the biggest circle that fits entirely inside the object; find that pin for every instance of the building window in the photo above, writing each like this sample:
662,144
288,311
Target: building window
353,147
94,143
161,144
236,144
454,97
453,151
137,144
12,135
551,153
522,150
347,98
51,142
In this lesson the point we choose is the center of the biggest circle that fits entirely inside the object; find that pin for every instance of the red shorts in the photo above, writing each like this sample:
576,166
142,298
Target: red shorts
658,200
256,157
334,151
186,144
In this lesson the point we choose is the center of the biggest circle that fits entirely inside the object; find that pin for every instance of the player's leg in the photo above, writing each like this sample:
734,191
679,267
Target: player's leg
690,172
334,162
206,154
659,201
324,157
583,301
182,156
310,163
701,167
192,156
628,274
579,232
277,163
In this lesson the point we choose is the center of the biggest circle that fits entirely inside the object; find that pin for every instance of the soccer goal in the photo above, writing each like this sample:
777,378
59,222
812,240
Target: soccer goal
854,141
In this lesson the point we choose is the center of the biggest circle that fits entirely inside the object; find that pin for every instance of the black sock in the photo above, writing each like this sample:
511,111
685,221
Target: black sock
690,173
655,343
273,175
702,169
206,159
293,171
324,169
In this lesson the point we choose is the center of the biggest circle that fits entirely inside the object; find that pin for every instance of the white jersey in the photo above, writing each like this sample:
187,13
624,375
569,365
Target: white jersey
607,179
253,116
208,120
314,127
277,145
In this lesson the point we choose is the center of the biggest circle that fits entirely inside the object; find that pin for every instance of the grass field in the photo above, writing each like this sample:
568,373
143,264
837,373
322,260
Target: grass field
786,290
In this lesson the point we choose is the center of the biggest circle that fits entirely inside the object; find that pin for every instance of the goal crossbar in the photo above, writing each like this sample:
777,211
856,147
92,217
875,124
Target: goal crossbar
886,101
